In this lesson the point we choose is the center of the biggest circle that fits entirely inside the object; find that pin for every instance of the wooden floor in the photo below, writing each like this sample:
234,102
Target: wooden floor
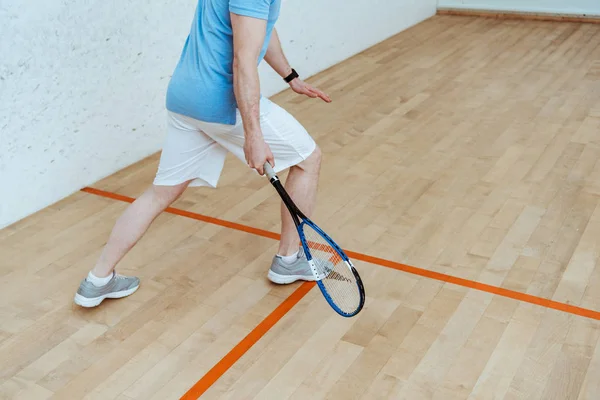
463,146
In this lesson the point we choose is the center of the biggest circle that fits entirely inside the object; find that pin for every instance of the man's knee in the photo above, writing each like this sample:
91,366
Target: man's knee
164,196
312,164
317,155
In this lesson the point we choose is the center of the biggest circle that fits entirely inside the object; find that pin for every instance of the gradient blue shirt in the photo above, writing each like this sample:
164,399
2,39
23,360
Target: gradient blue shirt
202,84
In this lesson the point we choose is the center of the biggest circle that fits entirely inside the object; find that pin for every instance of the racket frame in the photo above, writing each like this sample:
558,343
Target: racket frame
301,219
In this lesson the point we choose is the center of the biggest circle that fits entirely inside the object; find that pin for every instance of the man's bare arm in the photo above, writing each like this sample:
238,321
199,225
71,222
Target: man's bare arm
248,38
275,57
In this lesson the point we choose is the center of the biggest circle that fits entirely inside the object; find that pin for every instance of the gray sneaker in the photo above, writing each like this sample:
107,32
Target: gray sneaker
89,295
283,273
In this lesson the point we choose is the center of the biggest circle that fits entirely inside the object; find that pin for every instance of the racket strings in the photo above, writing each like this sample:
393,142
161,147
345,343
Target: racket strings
338,279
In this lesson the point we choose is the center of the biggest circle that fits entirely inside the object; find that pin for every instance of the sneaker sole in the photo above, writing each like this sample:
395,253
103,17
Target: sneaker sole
94,301
285,279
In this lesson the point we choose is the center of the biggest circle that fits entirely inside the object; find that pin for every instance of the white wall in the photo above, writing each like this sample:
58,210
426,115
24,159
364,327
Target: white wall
569,7
82,84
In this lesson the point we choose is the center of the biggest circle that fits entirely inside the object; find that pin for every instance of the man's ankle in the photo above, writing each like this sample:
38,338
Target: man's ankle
98,280
287,251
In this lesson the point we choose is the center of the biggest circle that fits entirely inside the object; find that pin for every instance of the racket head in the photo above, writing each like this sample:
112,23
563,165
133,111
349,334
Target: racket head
336,276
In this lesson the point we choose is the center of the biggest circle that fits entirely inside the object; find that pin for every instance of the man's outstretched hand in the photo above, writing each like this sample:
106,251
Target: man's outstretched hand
301,87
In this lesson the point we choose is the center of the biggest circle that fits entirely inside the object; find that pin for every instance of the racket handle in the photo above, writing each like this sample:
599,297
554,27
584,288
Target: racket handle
269,171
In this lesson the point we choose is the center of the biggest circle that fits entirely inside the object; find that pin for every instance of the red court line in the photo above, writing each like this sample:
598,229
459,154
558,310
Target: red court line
250,340
257,333
524,297
183,213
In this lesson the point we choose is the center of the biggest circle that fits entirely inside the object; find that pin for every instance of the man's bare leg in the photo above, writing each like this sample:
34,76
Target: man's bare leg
301,185
134,223
101,282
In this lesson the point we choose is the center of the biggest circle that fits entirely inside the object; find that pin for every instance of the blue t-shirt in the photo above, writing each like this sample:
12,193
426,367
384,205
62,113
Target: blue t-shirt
202,84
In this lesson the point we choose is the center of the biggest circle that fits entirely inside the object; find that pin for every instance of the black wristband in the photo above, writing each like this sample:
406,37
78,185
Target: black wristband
291,76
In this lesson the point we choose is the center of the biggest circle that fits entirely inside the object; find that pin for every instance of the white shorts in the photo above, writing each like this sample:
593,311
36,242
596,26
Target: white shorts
196,150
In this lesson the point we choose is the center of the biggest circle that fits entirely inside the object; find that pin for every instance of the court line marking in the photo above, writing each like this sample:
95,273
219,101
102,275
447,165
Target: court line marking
438,276
261,329
247,342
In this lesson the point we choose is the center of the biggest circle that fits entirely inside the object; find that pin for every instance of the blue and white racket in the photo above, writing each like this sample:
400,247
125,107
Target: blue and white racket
336,276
